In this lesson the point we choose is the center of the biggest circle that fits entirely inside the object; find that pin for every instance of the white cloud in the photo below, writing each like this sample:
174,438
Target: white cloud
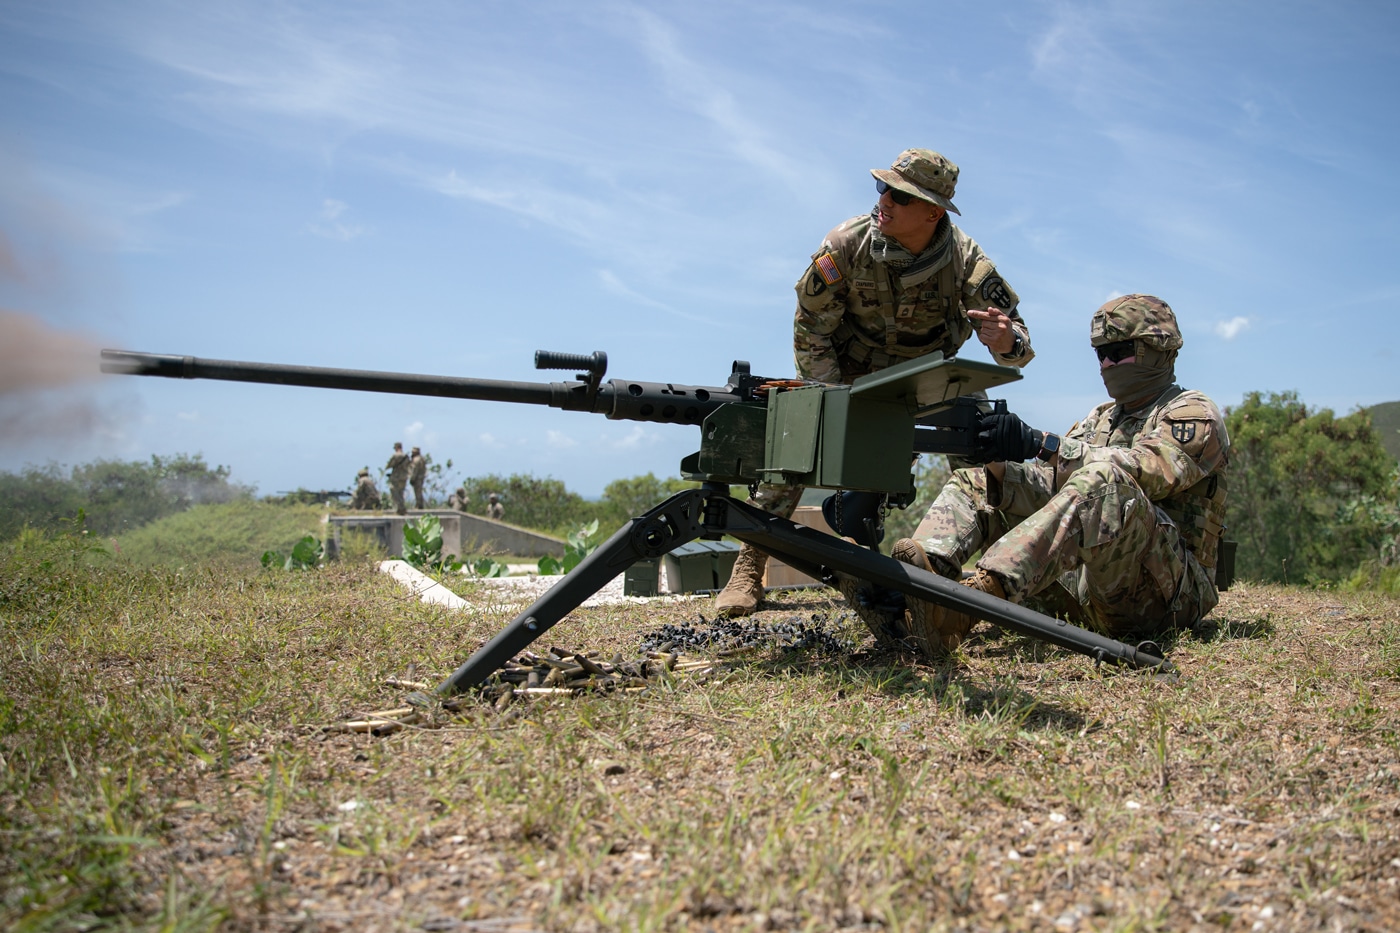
491,441
1229,330
636,439
560,440
414,431
331,227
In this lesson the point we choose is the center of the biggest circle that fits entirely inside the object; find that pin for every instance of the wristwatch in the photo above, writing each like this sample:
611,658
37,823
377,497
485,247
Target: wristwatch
1048,448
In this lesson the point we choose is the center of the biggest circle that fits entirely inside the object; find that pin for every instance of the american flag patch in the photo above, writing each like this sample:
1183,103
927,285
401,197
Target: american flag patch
827,267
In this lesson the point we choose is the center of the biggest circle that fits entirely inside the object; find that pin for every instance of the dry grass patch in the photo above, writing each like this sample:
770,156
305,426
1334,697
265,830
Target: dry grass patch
163,768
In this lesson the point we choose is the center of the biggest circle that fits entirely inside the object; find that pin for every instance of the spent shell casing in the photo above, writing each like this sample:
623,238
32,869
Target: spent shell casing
588,665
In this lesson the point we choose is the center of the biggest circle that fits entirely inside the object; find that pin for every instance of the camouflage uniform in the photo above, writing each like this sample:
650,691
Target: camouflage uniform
398,478
366,493
866,303
1128,518
458,500
417,475
494,509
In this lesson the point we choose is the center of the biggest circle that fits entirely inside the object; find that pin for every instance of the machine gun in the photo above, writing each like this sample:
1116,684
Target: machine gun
316,496
857,437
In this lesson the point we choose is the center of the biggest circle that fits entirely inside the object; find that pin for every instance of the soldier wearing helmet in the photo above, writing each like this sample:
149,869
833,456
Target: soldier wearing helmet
417,476
897,283
1116,525
366,494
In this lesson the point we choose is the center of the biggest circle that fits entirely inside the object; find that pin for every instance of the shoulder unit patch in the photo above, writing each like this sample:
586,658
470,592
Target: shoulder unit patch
1184,431
826,265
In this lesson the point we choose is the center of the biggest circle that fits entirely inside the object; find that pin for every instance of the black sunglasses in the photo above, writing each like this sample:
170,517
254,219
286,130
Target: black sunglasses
899,197
1119,350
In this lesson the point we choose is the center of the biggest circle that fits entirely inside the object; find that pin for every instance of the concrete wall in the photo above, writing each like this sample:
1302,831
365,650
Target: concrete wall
462,534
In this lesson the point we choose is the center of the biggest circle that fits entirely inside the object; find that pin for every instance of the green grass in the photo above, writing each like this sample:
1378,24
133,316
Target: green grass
232,533
163,768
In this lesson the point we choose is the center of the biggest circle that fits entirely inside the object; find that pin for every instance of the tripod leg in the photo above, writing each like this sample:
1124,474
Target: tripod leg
808,550
667,526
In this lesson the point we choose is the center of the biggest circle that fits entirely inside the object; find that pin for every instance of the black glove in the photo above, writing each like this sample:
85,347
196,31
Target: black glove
1003,436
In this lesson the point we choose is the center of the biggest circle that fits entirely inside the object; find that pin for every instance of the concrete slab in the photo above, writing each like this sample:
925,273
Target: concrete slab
421,585
462,534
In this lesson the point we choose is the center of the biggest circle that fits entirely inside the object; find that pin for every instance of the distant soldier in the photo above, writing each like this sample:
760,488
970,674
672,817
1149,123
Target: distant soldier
366,493
398,478
458,500
494,509
417,474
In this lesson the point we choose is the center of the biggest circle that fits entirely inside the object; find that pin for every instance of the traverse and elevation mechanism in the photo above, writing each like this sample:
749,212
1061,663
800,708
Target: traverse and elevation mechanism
859,437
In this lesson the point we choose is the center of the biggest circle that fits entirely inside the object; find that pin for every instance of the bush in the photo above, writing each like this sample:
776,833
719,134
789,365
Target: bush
117,496
1295,475
530,502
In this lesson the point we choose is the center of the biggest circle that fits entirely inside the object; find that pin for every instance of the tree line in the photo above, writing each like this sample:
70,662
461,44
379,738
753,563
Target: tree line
1314,498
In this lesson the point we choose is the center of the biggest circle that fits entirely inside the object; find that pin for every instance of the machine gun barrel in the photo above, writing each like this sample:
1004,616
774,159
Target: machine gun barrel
619,399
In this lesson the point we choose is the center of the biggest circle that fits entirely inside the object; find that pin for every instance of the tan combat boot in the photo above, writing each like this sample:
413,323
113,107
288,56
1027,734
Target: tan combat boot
744,591
934,629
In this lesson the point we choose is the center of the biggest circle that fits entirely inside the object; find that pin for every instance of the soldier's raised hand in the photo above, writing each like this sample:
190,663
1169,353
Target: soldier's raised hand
993,329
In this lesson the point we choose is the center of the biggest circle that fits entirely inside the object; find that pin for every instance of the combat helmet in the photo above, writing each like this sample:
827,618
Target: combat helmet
1136,317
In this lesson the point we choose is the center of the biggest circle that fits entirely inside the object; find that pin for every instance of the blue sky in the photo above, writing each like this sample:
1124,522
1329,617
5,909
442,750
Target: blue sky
446,187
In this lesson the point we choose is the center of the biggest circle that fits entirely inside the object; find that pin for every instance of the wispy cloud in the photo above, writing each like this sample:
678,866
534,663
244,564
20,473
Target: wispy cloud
614,285
1229,330
330,225
579,217
699,87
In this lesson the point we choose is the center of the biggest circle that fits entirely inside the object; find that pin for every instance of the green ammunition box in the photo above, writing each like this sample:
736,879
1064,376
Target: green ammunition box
699,565
641,578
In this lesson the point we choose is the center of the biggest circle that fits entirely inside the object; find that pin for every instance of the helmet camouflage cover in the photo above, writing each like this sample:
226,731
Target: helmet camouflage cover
1136,317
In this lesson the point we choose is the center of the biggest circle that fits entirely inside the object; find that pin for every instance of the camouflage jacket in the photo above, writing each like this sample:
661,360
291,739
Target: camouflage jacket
1176,449
418,470
398,469
854,317
366,494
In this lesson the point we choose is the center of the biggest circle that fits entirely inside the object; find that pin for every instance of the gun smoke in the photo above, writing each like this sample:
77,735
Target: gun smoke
37,364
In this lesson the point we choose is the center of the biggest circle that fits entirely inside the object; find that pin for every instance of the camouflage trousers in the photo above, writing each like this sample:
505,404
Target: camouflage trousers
777,500
1098,553
396,494
418,501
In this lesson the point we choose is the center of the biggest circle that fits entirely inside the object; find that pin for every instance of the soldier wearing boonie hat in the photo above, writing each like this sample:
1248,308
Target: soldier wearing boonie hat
891,285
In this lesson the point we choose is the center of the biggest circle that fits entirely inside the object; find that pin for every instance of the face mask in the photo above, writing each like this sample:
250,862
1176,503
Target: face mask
1144,378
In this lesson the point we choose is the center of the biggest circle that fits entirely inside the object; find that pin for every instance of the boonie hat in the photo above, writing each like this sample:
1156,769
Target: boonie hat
923,173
